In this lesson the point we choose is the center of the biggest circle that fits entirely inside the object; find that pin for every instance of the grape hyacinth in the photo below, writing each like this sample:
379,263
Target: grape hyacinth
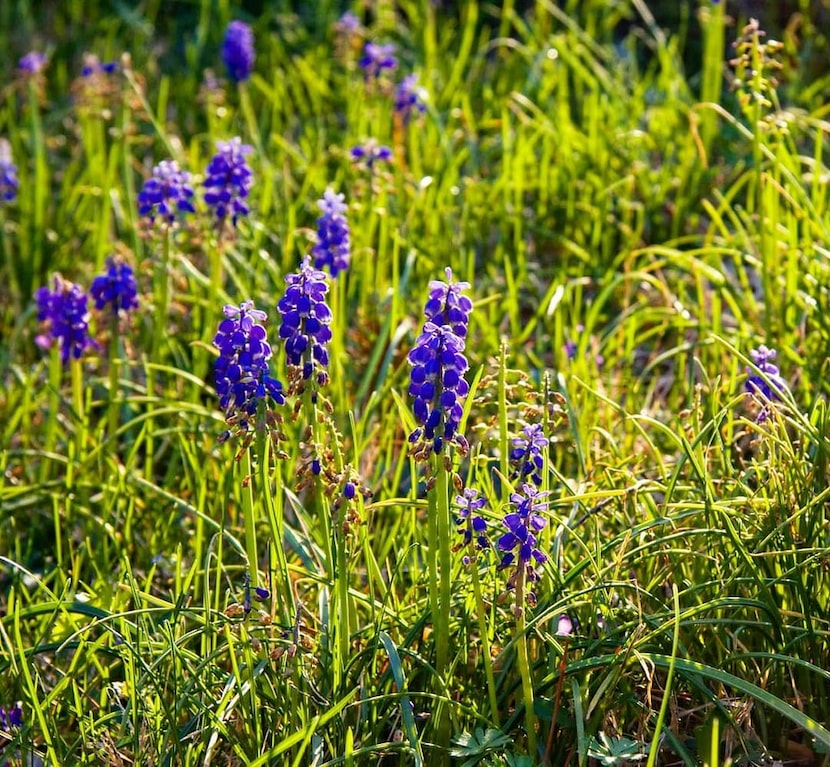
469,522
11,717
377,58
116,288
242,374
238,51
9,183
370,153
770,385
409,98
64,311
519,542
447,305
32,63
528,454
229,180
166,193
333,248
305,322
93,66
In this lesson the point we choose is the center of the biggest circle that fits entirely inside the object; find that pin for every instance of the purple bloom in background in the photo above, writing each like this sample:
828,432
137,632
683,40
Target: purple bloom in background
11,717
166,193
528,454
348,24
370,153
238,51
305,321
409,98
116,288
377,58
438,386
447,305
564,626
519,542
470,522
8,173
229,180
93,66
333,248
64,311
32,63
243,378
767,384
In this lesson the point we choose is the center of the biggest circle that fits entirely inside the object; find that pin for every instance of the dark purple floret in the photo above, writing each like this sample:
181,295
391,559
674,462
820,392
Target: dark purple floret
63,310
437,385
238,51
409,98
9,183
116,288
371,153
376,59
333,248
11,717
32,63
228,180
519,542
470,523
243,378
349,491
167,193
528,454
305,321
447,305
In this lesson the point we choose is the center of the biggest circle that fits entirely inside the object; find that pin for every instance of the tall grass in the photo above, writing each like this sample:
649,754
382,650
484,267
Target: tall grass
630,232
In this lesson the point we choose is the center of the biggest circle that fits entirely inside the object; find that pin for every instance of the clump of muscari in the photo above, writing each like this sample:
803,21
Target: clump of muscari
332,250
167,194
244,383
63,310
238,51
116,288
228,181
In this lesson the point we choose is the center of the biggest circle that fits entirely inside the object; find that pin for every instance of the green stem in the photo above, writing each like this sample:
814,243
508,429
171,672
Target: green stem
250,521
114,359
483,631
524,665
284,597
55,376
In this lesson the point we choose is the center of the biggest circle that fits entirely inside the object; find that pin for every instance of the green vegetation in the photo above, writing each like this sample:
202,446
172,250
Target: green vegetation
632,229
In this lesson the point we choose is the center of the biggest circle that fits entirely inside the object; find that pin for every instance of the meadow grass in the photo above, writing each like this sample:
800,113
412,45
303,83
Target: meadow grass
631,232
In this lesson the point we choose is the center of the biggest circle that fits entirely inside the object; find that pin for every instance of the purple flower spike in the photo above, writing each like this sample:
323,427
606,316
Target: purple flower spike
238,51
166,194
370,153
32,63
448,306
410,98
229,180
8,173
64,311
528,454
769,386
376,59
116,289
305,321
470,523
333,248
243,378
519,542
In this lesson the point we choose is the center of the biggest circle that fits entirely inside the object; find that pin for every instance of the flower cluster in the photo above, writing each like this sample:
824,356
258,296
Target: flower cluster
116,288
370,153
64,311
8,173
377,58
32,63
528,454
767,383
305,321
409,98
243,378
11,717
519,542
438,362
166,193
333,247
228,180
470,523
238,51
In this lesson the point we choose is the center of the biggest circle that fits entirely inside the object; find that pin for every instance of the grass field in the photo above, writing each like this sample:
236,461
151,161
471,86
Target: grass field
520,480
